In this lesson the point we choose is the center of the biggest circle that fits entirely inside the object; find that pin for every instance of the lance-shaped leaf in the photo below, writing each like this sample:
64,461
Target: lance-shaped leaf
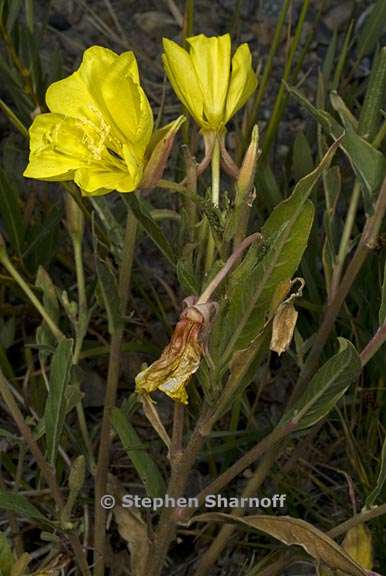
368,163
295,532
252,285
44,335
20,505
138,454
60,374
326,388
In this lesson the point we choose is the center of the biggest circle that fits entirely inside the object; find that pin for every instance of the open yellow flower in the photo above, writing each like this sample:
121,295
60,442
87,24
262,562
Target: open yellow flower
211,85
99,131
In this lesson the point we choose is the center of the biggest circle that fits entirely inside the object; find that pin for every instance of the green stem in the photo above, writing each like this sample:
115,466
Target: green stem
216,173
216,160
346,235
76,232
114,370
27,290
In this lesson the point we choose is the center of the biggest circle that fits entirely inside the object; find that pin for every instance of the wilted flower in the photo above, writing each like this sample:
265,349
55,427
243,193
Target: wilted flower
99,131
211,85
181,357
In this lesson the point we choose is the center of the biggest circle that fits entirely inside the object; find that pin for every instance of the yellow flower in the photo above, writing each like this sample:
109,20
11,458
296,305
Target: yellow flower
211,85
99,131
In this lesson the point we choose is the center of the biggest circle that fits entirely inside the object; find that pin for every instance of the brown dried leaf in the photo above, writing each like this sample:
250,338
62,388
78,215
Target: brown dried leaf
293,531
283,327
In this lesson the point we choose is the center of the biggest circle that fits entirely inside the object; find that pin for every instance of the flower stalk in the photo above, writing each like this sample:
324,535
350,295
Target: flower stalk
114,371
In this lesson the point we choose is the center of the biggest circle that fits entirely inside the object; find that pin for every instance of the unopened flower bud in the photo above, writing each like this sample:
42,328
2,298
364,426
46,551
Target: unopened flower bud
161,148
246,179
77,474
74,217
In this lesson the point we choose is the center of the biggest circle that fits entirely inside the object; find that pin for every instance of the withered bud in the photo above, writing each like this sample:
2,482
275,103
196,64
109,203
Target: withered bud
161,148
246,179
181,357
283,327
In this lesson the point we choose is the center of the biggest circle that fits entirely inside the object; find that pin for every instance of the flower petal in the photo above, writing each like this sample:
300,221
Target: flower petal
126,103
95,180
211,59
182,76
89,93
57,147
75,95
243,81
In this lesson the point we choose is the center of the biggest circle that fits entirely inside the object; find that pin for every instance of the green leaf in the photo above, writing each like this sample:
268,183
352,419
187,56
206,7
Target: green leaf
10,212
186,278
372,497
372,30
295,532
142,213
252,286
7,559
44,335
60,374
368,163
326,388
371,112
302,161
109,291
20,505
142,461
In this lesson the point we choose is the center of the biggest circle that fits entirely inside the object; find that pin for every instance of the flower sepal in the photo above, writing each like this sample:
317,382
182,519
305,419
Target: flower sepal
159,150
